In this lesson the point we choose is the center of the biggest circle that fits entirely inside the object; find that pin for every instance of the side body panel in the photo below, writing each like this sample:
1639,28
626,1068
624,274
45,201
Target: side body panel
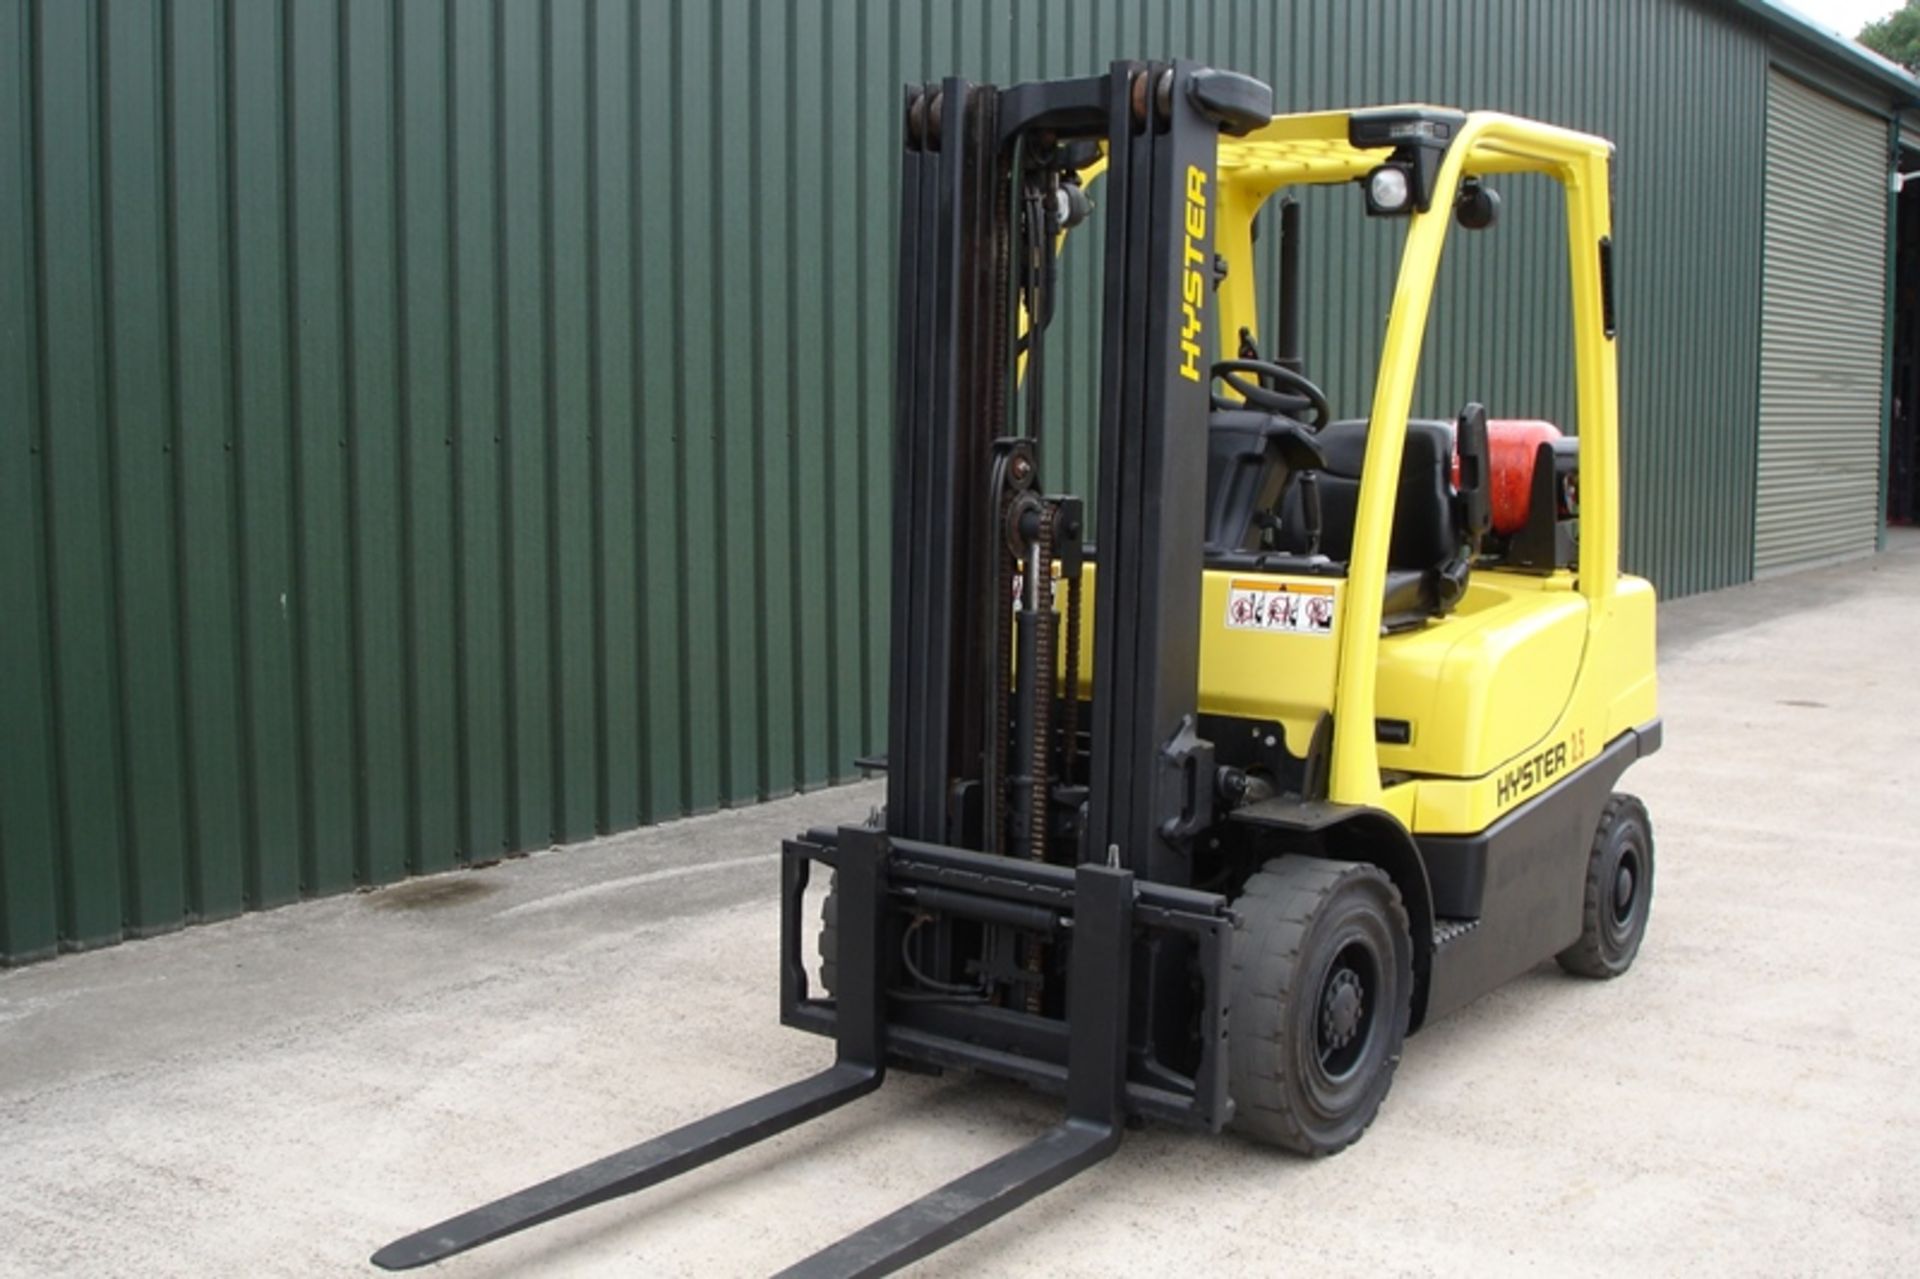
1504,699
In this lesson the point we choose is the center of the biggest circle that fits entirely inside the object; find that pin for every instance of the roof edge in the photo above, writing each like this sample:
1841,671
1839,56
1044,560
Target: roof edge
1832,47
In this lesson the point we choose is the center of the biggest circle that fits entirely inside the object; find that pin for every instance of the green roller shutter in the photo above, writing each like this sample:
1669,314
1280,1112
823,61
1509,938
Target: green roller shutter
1822,330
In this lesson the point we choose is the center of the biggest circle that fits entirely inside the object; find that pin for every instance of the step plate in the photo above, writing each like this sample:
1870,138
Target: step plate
1447,930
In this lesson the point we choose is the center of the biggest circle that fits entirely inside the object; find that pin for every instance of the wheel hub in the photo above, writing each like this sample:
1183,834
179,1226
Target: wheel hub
1341,1009
1623,892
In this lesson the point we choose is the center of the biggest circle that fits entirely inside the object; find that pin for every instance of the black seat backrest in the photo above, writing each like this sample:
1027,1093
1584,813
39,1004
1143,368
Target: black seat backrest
1250,457
1424,533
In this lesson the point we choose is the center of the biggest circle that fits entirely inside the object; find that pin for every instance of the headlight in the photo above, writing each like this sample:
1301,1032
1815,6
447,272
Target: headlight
1388,190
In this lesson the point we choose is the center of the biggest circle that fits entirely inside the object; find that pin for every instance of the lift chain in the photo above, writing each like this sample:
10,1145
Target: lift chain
1043,683
1037,793
1070,716
1005,488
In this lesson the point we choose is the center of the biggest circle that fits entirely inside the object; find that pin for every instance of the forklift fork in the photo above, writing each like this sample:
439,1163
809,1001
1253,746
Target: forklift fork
1103,919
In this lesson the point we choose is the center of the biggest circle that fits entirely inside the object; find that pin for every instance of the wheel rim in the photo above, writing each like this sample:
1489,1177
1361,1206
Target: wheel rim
1625,904
1625,881
1346,1011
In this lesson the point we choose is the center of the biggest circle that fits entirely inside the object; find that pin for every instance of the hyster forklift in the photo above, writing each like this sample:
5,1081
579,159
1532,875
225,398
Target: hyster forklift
1313,741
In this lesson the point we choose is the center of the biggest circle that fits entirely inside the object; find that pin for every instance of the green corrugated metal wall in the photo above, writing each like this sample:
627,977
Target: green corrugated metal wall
439,429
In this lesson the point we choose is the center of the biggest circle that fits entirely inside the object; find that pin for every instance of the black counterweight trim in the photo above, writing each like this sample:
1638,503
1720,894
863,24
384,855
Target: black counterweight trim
1523,877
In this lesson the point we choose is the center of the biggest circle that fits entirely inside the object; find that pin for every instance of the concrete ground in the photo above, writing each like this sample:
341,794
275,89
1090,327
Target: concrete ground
283,1093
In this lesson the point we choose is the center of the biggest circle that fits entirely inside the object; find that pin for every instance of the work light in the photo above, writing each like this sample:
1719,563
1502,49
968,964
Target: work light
1388,190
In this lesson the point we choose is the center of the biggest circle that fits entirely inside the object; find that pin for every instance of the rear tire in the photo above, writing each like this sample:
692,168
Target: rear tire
1322,987
1619,893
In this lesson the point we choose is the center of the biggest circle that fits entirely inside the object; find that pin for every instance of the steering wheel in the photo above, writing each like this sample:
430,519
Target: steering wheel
1293,394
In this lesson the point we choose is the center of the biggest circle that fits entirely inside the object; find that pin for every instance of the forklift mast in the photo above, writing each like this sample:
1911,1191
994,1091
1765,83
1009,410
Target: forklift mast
968,519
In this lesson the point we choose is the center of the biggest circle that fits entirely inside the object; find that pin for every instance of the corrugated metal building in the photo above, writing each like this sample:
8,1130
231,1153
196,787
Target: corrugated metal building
435,430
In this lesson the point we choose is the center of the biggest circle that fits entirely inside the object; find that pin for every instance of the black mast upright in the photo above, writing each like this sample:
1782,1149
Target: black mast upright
950,406
1152,783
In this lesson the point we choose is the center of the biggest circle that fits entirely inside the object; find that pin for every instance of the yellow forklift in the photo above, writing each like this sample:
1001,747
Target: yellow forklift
1203,795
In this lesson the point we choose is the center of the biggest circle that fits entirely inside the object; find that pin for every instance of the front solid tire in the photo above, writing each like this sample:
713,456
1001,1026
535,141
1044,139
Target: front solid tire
1322,988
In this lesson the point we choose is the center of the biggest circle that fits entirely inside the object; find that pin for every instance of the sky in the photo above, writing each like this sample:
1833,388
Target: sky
1845,16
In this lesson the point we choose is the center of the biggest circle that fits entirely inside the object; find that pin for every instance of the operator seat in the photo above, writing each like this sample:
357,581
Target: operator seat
1426,530
1252,458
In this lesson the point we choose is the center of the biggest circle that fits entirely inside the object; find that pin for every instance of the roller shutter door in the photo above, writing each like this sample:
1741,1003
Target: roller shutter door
1823,318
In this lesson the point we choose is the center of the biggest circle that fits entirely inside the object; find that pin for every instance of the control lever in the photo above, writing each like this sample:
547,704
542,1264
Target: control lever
1472,481
1310,508
1473,503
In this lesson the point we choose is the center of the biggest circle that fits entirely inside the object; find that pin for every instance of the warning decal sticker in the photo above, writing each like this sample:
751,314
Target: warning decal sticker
1303,608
